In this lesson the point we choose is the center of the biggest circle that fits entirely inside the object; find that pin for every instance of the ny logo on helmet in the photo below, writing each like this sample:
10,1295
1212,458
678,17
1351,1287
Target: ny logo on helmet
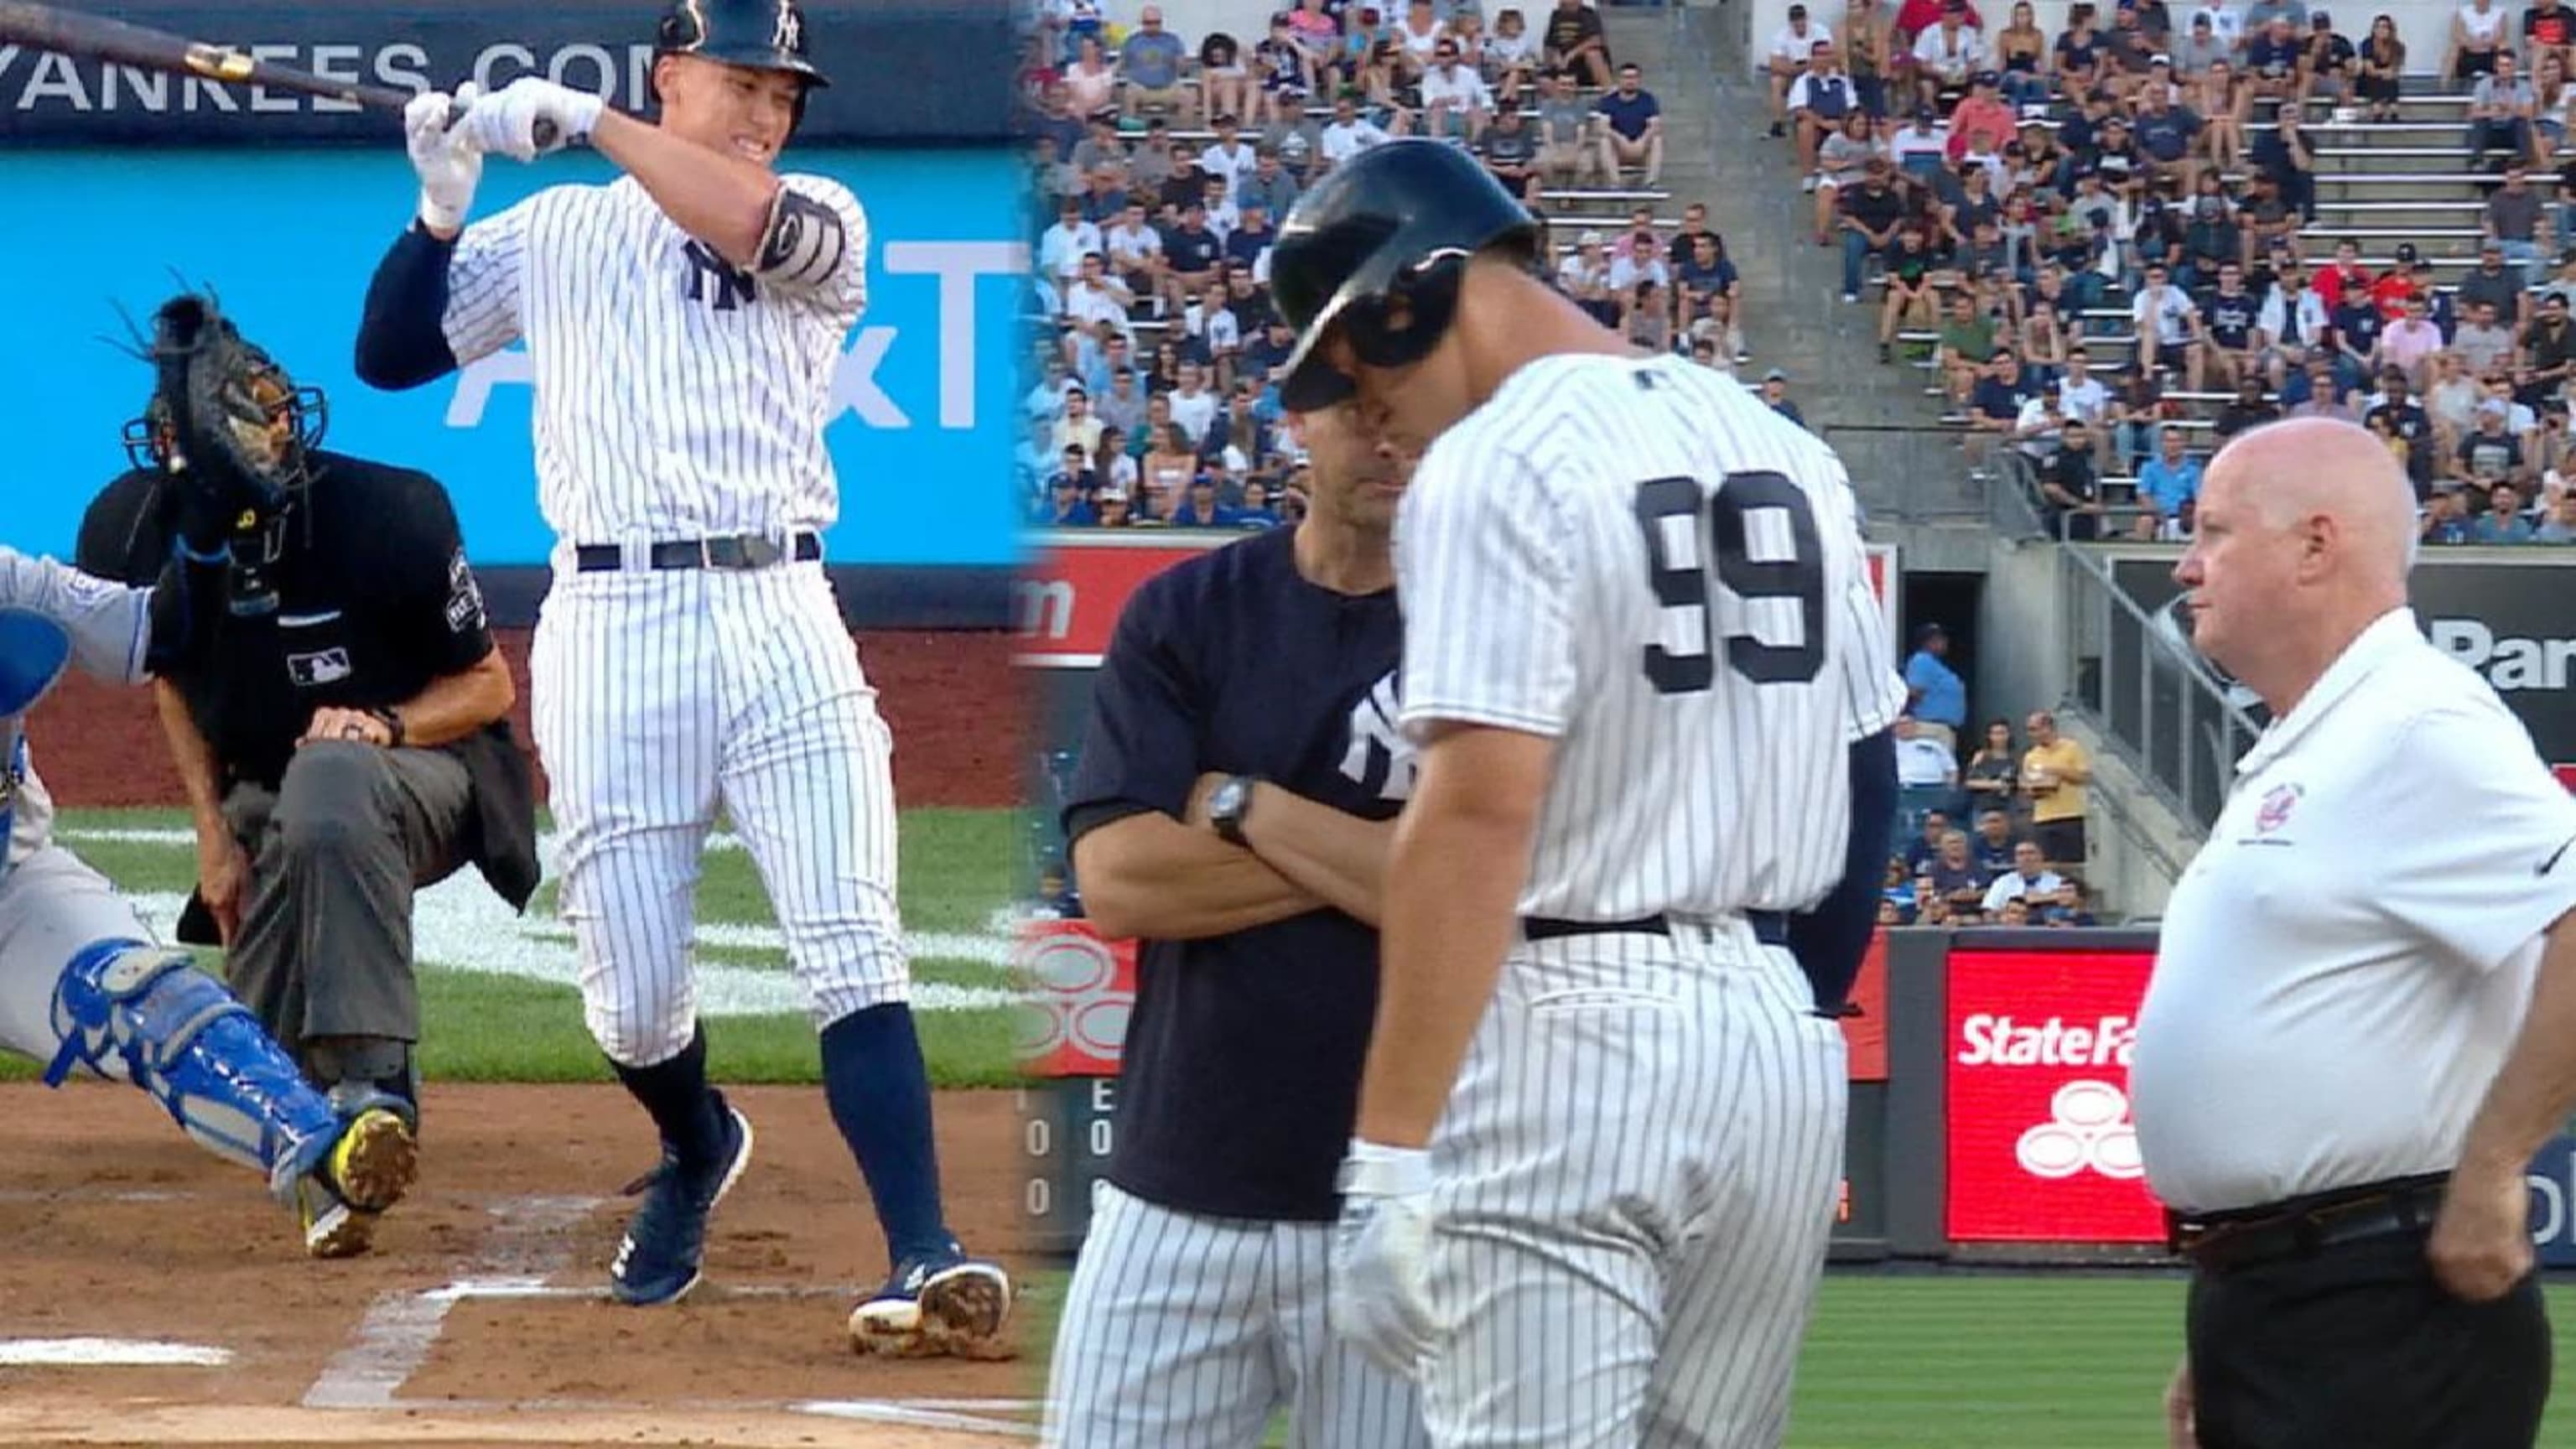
791,29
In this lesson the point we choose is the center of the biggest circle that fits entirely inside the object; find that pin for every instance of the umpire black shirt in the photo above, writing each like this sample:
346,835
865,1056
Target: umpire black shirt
1242,1066
375,599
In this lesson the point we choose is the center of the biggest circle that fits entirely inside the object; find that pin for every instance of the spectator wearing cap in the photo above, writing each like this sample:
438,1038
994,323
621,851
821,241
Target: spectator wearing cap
1349,133
2333,64
1067,503
1920,147
1981,124
1792,48
2490,452
1149,63
1819,100
1584,276
2070,482
1775,396
1284,72
1946,55
2200,45
1632,129
1575,42
1935,695
1868,215
2501,107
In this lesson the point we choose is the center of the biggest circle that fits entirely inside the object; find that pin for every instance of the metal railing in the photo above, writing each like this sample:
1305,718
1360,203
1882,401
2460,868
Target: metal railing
2154,700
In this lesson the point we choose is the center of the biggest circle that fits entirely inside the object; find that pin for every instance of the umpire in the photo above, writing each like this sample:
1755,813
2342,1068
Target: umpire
1232,808
2362,1024
340,720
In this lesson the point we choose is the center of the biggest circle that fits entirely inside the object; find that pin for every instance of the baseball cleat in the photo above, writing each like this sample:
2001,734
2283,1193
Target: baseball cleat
666,1240
940,1303
370,1166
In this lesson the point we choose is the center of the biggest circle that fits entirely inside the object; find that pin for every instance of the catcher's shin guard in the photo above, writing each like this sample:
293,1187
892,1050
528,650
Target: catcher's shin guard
144,1012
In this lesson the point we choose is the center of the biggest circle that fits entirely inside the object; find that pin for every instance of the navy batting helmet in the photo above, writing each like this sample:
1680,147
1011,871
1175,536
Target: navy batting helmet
761,34
1376,249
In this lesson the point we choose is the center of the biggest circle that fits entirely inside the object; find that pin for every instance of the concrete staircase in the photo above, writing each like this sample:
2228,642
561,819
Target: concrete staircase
1910,477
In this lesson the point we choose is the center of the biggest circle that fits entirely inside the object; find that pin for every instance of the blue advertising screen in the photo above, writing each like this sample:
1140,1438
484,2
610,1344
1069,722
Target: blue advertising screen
925,400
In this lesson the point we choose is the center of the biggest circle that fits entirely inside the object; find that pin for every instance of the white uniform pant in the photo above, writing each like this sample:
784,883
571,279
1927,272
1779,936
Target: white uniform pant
660,696
51,906
1636,1179
1188,1332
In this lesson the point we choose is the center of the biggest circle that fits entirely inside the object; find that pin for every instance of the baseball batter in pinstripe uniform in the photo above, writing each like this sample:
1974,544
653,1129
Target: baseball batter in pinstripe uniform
683,324
1599,1131
1232,809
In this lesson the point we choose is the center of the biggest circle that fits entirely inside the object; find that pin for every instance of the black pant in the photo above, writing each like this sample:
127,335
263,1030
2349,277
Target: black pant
2358,1347
2060,842
324,948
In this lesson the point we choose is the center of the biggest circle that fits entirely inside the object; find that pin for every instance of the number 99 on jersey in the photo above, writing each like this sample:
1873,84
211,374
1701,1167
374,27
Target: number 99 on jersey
1067,1131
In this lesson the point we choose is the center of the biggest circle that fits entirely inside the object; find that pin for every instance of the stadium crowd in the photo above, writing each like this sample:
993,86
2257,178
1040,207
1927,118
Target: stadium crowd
1165,164
2101,243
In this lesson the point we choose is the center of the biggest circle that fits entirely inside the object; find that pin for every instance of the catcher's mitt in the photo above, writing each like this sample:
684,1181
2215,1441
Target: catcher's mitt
225,421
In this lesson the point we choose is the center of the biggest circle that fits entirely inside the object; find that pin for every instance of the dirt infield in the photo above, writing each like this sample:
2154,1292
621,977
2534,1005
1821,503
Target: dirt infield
951,698
479,1318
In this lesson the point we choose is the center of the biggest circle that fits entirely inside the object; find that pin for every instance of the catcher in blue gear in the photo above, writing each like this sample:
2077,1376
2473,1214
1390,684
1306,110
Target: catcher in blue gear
83,986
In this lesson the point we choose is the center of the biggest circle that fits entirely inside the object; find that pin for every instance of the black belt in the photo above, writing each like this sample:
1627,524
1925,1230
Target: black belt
741,551
1771,928
2304,1227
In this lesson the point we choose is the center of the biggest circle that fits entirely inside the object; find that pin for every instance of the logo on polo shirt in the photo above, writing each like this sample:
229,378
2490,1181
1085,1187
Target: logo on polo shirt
2088,1130
2275,810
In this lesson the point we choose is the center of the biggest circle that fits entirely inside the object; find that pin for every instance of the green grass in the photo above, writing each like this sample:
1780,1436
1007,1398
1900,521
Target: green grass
487,1018
1960,1361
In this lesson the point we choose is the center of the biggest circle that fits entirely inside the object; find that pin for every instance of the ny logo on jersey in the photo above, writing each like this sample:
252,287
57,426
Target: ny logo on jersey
1379,757
733,285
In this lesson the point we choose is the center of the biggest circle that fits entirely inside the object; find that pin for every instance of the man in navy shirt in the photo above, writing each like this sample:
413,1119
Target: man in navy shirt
1232,809
1634,133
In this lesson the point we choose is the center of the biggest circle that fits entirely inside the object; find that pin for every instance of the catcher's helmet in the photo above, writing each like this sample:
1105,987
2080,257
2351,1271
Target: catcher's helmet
761,34
1395,223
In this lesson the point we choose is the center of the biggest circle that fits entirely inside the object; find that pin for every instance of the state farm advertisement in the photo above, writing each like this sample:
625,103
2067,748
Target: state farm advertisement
2040,1147
1081,990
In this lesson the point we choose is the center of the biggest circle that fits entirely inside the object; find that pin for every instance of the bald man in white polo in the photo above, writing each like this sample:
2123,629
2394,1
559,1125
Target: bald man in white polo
2362,1024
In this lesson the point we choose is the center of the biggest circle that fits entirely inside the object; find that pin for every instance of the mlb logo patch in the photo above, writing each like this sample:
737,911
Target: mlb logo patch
312,670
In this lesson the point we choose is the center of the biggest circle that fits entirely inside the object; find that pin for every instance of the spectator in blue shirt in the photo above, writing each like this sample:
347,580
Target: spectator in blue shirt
1775,393
1634,135
2167,485
1934,693
1149,61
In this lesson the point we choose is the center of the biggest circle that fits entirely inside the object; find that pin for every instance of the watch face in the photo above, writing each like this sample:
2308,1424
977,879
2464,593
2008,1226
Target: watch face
1228,800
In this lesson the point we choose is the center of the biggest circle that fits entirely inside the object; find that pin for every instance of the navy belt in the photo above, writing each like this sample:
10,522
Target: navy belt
1771,928
733,554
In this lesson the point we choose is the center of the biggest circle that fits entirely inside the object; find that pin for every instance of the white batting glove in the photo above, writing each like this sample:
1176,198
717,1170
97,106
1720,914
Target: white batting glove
531,117
1379,1251
449,166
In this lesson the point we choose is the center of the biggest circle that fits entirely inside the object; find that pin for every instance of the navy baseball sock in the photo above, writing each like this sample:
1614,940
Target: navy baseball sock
880,1094
682,1105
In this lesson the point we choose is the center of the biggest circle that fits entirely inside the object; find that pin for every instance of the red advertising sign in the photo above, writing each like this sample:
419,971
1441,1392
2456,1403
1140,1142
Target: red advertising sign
1075,583
1082,989
2040,1148
1865,1035
2566,775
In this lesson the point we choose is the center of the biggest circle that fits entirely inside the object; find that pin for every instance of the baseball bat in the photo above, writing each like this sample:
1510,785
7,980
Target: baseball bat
95,37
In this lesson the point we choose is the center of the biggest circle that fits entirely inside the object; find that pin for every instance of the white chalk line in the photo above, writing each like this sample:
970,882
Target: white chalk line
398,1333
109,1353
461,924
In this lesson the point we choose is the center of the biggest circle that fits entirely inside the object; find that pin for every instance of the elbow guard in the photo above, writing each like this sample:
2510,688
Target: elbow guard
805,243
1830,940
402,339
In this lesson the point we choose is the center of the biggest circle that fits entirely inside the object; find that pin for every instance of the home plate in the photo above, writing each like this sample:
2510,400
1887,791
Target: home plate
107,1353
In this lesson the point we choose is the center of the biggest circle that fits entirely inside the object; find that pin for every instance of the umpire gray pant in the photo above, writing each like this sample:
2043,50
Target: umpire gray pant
336,851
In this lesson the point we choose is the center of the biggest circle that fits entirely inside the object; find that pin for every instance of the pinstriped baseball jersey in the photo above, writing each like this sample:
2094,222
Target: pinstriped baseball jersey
1639,558
677,396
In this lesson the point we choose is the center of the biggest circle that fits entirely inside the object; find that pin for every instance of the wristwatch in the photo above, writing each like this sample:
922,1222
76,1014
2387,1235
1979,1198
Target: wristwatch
1228,804
392,720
